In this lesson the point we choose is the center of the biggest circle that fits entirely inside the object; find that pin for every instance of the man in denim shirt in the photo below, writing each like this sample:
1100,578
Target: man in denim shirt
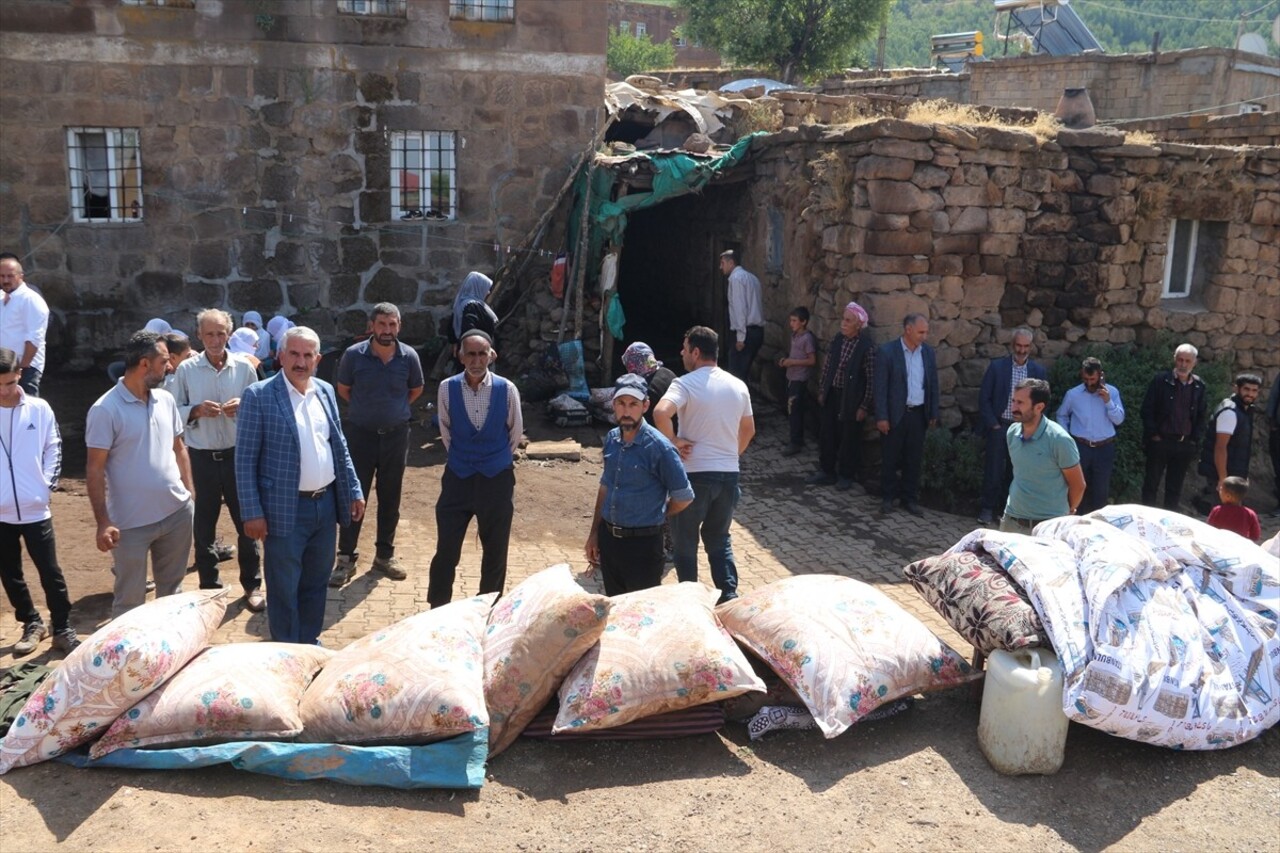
643,483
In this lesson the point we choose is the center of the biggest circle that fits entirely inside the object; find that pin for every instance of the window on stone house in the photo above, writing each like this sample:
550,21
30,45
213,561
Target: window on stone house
483,10
642,29
1193,256
424,175
681,41
624,27
389,8
104,165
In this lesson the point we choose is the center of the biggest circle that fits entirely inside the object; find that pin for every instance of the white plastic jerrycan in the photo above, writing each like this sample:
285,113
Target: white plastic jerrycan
1022,727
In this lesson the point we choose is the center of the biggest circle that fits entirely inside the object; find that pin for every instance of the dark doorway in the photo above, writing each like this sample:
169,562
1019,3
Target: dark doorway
668,275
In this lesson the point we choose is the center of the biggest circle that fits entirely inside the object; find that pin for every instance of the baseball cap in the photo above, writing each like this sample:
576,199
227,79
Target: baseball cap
628,384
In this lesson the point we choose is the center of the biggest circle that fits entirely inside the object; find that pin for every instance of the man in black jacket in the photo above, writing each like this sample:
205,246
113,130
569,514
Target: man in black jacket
1229,441
845,394
1173,414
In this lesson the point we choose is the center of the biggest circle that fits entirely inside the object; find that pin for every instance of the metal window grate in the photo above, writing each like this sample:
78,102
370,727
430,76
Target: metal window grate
483,10
424,175
388,8
104,165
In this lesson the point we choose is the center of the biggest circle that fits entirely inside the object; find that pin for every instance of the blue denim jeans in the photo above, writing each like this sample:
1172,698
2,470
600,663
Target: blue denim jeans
715,494
296,567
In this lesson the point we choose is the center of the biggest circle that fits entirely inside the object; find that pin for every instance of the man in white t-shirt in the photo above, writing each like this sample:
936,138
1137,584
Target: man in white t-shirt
716,425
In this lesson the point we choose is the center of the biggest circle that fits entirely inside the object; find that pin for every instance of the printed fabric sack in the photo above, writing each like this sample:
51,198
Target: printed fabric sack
415,682
979,600
110,672
237,691
534,637
843,646
662,650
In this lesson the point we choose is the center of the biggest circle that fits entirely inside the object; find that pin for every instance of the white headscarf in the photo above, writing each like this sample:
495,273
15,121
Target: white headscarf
244,341
253,317
160,327
277,326
475,287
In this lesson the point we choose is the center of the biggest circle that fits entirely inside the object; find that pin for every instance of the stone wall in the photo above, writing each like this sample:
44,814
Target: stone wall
985,229
1249,129
264,141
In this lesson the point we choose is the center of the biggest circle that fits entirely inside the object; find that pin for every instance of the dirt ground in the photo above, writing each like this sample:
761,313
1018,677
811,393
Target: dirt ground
914,781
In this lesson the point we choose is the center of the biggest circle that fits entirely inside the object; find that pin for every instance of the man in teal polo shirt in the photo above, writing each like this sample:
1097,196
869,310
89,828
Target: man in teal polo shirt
1047,478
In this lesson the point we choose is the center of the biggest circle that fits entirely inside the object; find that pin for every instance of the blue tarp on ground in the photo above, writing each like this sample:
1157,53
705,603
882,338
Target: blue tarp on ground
454,763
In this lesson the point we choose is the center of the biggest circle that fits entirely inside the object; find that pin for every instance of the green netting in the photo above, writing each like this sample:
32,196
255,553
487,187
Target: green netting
675,174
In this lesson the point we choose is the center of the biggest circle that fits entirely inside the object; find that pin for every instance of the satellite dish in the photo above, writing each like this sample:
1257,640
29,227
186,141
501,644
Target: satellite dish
1252,43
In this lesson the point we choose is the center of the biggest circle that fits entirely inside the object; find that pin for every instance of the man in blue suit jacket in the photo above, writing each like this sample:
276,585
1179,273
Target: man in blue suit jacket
994,402
906,403
296,482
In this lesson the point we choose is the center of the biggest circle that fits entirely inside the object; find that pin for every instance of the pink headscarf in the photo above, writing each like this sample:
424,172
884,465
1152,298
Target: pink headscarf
859,312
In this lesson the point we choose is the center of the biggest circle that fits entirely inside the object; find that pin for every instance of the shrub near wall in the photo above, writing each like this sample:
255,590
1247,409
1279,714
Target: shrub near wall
1130,369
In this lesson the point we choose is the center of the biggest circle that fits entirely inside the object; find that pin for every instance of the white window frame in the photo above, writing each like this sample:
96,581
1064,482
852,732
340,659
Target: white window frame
624,27
681,41
483,10
1180,290
125,201
642,29
431,145
379,8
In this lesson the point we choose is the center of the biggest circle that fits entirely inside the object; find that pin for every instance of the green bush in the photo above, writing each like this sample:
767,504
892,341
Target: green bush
1130,369
951,472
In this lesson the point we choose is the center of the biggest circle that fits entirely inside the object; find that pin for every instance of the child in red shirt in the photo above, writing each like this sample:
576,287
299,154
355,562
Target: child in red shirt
1231,514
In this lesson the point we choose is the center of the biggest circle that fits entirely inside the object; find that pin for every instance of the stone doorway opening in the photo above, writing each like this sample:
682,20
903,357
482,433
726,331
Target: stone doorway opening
668,270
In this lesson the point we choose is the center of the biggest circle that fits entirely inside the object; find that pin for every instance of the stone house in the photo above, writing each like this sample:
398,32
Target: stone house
660,23
307,157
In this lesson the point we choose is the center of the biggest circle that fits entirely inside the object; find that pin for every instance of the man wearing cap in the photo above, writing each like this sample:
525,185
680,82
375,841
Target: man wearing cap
845,395
716,425
1090,412
643,483
208,389
746,315
481,426
995,411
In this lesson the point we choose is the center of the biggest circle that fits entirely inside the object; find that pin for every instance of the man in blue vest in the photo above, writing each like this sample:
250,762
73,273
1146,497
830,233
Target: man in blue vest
481,426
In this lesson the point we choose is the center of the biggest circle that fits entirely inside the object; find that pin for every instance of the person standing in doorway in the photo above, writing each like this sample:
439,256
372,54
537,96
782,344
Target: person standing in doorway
138,476
379,378
995,410
798,364
746,315
1090,412
24,320
32,451
481,426
906,404
296,485
716,425
208,389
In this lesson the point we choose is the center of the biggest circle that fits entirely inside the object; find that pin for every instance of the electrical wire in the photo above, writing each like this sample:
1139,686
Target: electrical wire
1125,10
1191,112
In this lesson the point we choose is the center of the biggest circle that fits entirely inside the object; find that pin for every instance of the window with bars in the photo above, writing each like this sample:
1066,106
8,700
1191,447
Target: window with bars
624,27
483,10
105,168
388,8
642,29
424,175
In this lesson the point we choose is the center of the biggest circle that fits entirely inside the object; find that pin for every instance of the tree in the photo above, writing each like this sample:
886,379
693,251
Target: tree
797,38
628,54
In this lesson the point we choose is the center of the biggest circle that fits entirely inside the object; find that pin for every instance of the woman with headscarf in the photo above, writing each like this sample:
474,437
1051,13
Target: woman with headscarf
244,341
640,360
160,327
262,347
475,288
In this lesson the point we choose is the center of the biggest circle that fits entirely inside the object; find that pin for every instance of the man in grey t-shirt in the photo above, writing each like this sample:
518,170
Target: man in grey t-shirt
139,478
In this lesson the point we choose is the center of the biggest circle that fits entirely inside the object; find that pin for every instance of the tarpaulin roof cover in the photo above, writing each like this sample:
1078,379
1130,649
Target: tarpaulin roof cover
675,173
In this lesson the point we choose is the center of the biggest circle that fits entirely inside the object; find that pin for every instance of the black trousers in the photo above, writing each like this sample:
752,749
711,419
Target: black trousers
41,548
629,564
903,446
1169,459
490,501
797,404
213,473
384,454
839,442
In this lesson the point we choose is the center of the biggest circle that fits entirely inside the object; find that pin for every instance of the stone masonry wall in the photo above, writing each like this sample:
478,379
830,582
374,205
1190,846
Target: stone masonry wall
265,149
985,229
